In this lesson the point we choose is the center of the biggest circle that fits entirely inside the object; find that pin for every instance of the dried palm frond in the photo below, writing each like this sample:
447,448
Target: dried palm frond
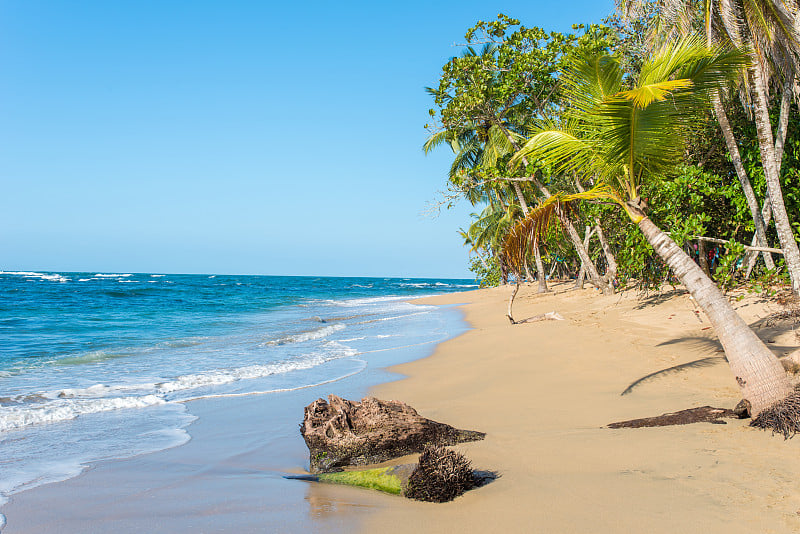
534,227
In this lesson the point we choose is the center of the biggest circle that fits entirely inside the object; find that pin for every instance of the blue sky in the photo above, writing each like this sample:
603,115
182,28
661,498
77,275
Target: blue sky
232,137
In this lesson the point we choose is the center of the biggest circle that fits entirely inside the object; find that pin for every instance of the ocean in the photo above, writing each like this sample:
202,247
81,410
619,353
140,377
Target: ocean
100,366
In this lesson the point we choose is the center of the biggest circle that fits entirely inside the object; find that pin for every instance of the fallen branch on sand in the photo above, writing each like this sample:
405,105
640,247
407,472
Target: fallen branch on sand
704,414
549,316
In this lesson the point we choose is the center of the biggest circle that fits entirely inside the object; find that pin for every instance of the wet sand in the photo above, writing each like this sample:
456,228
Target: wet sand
227,478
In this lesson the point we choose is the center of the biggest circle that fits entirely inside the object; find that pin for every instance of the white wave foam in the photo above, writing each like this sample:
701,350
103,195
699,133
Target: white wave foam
84,279
349,303
43,276
14,417
320,333
249,372
109,275
393,317
157,275
280,390
352,339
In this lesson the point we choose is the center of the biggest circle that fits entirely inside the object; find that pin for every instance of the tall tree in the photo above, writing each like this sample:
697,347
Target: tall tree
502,89
767,28
625,137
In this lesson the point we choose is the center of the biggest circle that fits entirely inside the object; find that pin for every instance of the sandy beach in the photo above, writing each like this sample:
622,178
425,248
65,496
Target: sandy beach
543,392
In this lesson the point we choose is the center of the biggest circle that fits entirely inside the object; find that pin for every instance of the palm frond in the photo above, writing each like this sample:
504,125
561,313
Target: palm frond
534,227
645,95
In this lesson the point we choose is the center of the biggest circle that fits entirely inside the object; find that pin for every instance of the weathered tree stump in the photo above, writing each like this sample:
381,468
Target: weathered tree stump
339,432
440,475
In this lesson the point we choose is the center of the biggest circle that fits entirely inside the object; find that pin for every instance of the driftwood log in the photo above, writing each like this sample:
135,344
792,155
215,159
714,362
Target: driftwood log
704,414
440,475
340,433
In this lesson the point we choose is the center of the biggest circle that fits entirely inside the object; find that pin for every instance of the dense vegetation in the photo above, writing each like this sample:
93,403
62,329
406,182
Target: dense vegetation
507,83
659,146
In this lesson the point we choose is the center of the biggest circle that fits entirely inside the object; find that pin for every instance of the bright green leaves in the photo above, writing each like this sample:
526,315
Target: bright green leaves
645,95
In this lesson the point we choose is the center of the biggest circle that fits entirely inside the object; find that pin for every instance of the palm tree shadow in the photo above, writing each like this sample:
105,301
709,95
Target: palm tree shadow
660,297
696,364
704,342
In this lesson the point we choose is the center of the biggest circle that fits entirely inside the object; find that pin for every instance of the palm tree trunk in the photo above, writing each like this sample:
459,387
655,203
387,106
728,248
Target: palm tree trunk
529,277
758,372
595,278
611,260
537,256
582,272
760,236
791,253
780,143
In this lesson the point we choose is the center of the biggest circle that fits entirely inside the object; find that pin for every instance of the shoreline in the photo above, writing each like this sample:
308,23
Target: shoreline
544,392
227,477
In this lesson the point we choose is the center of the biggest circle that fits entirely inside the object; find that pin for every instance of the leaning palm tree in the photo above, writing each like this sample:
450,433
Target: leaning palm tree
769,28
622,138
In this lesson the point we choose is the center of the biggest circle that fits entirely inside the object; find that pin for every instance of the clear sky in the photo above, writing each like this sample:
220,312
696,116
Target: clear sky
233,137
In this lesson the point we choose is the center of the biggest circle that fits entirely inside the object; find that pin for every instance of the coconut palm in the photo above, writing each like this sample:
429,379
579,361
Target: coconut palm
768,28
624,137
480,145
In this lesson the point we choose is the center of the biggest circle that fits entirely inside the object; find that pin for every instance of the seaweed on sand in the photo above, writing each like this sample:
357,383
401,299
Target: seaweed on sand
441,475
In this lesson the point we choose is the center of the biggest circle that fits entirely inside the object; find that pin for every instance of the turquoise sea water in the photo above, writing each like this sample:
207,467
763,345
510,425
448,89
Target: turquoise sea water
105,365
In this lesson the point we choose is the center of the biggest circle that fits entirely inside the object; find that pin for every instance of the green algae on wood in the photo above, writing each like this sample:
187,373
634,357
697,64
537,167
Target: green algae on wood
382,479
441,475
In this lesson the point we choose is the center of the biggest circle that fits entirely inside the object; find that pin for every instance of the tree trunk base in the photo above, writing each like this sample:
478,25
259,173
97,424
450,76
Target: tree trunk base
783,417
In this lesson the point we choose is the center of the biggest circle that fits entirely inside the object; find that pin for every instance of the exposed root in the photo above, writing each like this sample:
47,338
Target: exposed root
783,417
441,475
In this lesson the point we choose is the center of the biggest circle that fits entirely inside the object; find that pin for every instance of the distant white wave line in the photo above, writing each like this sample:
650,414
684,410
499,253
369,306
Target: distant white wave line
393,317
352,339
405,346
68,404
319,333
43,276
370,300
157,275
102,275
281,390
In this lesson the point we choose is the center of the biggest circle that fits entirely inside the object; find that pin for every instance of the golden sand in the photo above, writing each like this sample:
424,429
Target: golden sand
543,392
